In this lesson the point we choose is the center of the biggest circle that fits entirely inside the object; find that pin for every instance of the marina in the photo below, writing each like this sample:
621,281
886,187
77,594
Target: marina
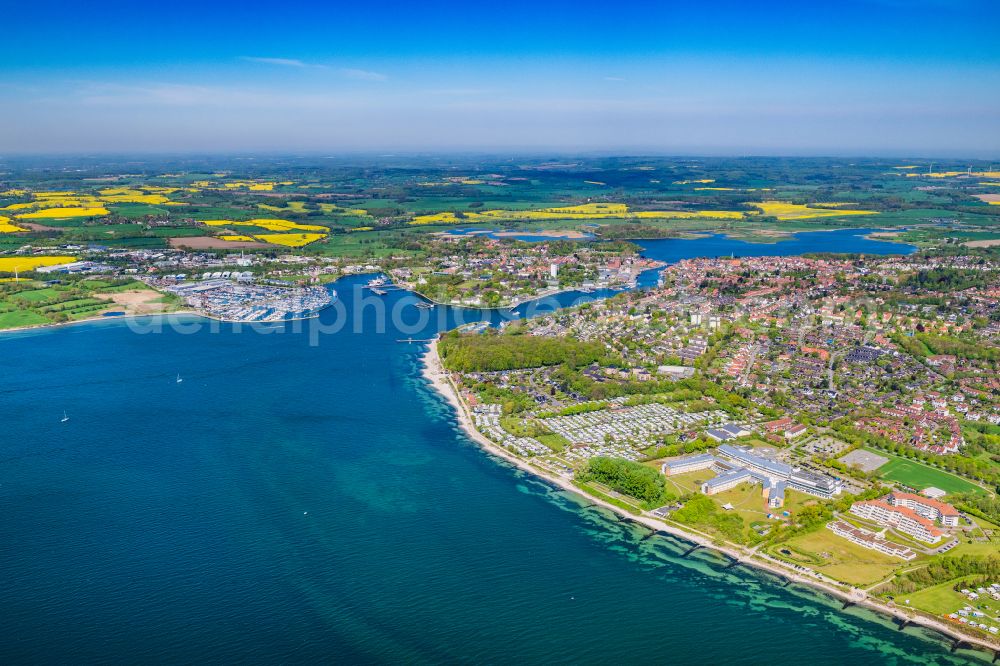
243,302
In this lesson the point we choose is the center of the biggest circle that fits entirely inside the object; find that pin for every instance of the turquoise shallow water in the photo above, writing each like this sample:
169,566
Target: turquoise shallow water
290,502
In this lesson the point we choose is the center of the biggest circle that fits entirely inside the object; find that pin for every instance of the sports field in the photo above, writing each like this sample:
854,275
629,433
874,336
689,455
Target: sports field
920,476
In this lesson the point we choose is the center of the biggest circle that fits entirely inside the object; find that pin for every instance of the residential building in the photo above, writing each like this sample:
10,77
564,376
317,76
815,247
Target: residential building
898,517
929,508
869,539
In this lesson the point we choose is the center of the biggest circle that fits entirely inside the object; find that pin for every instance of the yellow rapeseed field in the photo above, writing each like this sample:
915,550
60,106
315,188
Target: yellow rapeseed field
113,191
789,211
330,209
691,182
293,206
62,200
690,214
254,186
589,211
135,198
269,224
290,240
55,213
7,227
11,264
283,225
50,194
236,237
952,174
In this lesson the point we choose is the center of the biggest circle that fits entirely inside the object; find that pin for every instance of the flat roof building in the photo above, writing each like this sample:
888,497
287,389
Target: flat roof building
687,464
727,432
869,539
807,482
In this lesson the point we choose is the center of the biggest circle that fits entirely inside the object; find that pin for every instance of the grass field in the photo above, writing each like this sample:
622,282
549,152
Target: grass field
943,599
554,441
841,559
920,476
20,318
689,482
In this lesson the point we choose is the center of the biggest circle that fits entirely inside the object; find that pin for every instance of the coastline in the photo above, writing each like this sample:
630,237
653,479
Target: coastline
193,313
511,306
90,320
434,373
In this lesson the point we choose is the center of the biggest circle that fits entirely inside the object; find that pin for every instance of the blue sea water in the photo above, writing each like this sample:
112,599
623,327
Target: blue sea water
850,241
525,236
304,497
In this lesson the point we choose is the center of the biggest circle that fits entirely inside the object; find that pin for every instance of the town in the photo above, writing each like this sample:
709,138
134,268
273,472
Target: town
838,416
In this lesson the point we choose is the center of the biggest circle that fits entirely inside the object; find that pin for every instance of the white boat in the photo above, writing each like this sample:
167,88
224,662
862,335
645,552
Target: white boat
179,380
64,418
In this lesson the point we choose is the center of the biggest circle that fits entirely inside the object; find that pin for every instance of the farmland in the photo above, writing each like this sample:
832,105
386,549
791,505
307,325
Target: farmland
32,303
346,208
11,264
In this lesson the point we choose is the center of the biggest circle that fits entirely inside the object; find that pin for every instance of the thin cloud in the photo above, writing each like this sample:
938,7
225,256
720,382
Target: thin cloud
362,74
281,62
614,78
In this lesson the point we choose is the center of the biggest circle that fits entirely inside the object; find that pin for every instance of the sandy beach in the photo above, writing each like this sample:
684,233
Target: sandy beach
439,379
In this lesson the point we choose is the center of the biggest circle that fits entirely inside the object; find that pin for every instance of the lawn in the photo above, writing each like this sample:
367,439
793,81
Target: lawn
38,295
17,318
554,441
690,482
841,559
920,476
939,599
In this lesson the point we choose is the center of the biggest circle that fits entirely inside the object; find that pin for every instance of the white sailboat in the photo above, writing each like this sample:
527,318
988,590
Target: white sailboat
179,380
64,418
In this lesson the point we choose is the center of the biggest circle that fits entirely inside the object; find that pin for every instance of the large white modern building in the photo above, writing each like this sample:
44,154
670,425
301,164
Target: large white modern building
796,478
735,465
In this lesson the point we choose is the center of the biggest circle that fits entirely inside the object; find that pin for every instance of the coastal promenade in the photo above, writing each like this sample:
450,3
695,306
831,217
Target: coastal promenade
435,374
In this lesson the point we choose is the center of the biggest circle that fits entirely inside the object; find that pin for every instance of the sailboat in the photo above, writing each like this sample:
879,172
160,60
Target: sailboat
179,380
64,418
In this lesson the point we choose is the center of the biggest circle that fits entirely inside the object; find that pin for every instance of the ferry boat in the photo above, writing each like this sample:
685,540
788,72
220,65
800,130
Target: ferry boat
376,282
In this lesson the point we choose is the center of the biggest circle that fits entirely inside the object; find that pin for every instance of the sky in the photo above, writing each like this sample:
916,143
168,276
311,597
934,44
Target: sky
810,77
